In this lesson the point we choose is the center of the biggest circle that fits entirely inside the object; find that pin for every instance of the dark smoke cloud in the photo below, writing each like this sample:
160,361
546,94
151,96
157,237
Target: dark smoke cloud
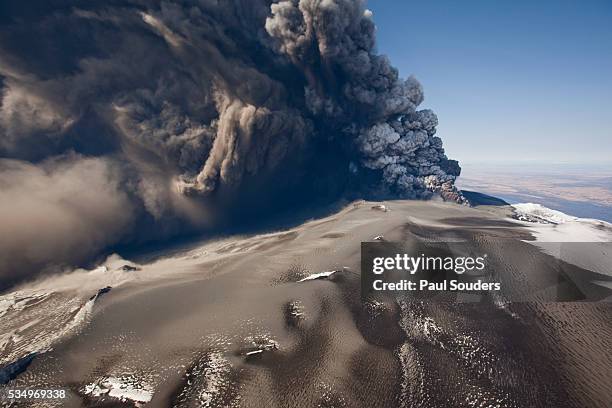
188,114
61,211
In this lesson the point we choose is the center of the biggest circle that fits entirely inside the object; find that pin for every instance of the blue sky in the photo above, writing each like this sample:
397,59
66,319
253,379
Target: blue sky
511,81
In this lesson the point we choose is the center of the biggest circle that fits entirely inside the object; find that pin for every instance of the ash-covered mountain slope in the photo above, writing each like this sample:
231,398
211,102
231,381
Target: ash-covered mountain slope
278,320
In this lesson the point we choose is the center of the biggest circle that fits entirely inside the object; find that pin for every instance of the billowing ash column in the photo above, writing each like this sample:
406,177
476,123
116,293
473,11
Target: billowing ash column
332,43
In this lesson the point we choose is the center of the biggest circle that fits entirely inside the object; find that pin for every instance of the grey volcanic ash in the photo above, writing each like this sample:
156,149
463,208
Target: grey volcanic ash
182,112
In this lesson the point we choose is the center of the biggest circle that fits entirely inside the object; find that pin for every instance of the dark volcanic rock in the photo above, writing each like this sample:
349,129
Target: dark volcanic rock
477,199
101,292
12,370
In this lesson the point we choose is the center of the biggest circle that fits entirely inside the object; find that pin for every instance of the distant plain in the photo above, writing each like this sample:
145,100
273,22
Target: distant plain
580,190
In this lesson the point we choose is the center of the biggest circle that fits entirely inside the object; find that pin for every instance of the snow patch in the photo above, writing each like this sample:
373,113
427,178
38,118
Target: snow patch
590,238
123,388
555,226
320,275
27,329
532,212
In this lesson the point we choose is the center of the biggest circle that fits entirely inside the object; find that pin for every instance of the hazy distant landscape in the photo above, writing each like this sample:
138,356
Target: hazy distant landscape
579,190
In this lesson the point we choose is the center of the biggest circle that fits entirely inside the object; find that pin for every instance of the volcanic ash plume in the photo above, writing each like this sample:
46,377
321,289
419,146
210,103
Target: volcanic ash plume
187,113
